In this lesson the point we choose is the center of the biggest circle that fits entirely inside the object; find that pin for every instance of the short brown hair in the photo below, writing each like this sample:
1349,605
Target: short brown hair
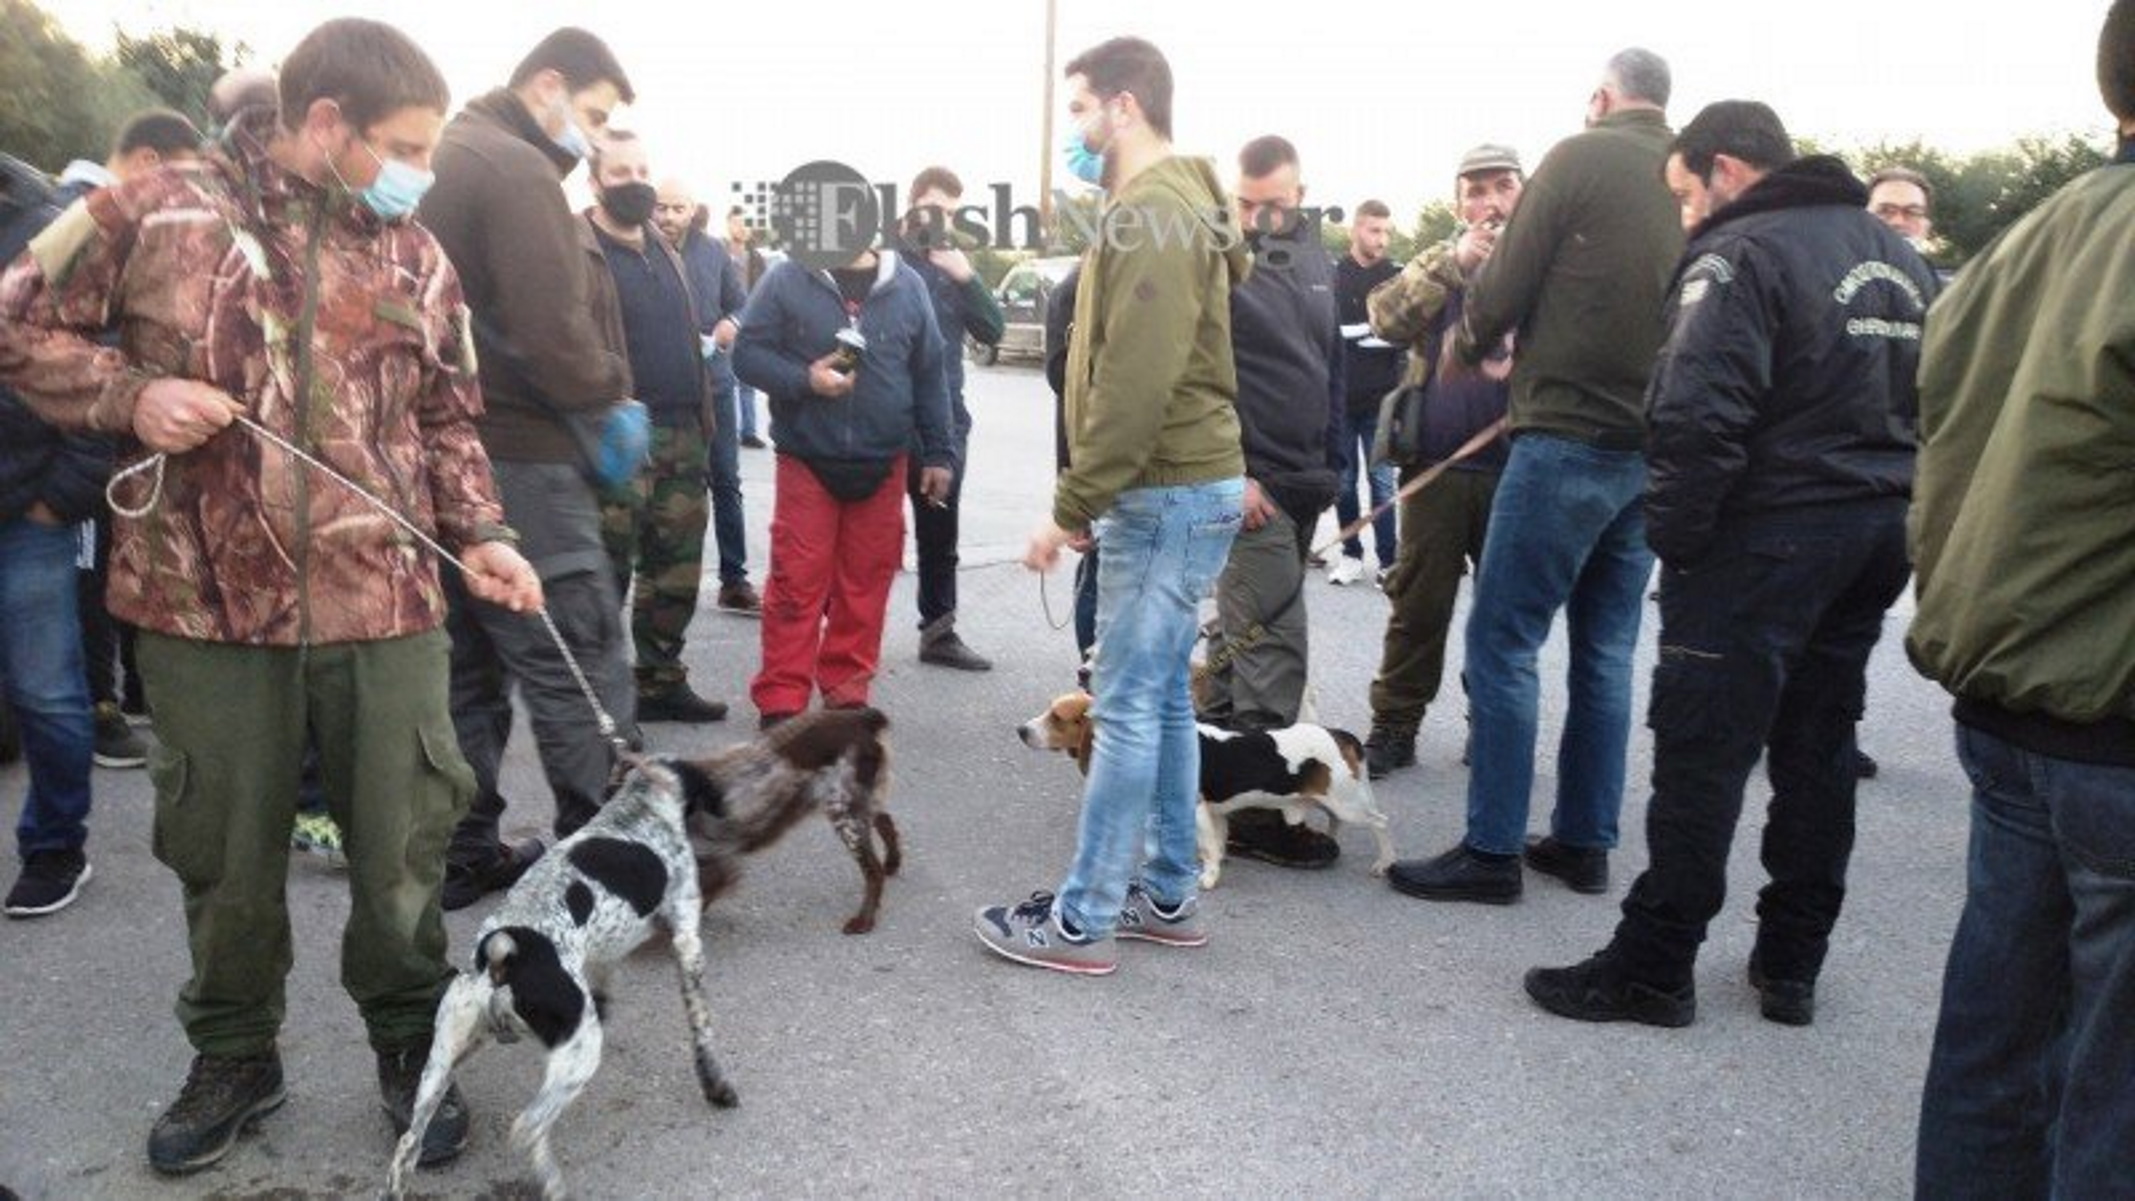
581,58
1265,155
1904,175
165,131
1133,66
936,177
1375,208
369,68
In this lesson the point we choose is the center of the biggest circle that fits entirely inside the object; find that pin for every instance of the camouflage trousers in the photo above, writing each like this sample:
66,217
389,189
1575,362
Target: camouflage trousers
654,532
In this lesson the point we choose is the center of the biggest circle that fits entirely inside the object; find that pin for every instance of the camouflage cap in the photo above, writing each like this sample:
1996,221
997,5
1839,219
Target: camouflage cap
1489,156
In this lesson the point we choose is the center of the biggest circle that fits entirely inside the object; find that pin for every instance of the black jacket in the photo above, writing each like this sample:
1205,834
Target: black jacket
1787,379
1292,396
37,462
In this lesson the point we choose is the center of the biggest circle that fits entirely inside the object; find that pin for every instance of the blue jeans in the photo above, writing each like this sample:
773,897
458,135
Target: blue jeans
1566,532
745,401
2027,1087
1163,550
724,472
47,682
1360,428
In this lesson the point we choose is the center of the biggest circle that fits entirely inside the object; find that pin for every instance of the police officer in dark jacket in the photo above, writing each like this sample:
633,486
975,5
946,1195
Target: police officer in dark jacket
1781,434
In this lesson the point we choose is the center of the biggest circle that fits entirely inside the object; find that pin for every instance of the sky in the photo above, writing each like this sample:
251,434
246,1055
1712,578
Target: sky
1380,99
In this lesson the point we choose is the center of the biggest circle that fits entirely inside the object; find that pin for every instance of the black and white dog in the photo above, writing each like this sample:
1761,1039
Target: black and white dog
663,846
1293,770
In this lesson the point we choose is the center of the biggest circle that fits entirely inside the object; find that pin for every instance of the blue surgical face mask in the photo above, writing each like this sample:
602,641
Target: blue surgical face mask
398,188
572,139
1083,163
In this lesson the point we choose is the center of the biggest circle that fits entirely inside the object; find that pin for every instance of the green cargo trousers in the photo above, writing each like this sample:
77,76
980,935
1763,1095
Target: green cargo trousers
1442,531
231,723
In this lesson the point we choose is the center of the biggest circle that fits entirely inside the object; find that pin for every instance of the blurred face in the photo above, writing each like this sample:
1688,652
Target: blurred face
1368,237
1269,203
621,163
673,210
737,229
933,213
1903,207
1488,197
408,135
143,159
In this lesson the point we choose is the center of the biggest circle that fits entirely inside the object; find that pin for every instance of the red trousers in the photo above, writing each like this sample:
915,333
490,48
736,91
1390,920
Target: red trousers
832,563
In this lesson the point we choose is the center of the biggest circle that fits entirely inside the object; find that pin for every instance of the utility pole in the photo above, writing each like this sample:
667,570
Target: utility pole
1045,137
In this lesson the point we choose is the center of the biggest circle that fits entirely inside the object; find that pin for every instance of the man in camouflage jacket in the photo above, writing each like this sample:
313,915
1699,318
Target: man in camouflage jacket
278,281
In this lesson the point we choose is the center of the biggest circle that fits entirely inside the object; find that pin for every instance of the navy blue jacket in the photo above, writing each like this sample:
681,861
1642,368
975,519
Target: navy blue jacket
715,282
37,462
1292,391
956,315
900,397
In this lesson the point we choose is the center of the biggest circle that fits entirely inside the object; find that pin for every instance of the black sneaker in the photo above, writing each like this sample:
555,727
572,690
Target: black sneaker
1583,869
400,1074
49,882
1788,1002
466,885
220,1099
679,703
1263,834
1459,875
1388,750
1595,990
117,745
1864,768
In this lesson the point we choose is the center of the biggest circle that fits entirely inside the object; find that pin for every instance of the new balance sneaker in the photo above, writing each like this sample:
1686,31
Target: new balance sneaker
1348,571
1030,933
117,745
1145,918
221,1098
316,834
49,882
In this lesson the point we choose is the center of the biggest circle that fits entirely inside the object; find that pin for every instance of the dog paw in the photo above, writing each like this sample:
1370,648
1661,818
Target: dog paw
721,1095
859,923
1379,868
1209,878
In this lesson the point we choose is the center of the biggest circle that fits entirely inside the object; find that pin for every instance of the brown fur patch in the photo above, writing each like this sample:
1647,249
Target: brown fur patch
1315,779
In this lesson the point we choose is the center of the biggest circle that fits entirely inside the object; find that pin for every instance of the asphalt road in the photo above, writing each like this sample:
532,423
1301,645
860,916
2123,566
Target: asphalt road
1335,1039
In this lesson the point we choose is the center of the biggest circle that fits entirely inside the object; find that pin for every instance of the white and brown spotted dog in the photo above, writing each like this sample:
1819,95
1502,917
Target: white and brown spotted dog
1293,770
668,842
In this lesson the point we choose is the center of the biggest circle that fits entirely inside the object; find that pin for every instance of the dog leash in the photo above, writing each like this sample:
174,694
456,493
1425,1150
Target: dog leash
1222,656
153,466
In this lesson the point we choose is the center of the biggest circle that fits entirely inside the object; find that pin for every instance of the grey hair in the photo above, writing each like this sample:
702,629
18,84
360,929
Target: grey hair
1640,74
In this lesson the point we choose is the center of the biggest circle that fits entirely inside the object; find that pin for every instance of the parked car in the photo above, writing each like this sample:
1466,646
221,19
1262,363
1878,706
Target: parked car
1023,294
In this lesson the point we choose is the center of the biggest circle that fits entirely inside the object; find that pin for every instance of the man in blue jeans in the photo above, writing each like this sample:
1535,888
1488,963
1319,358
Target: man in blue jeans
1371,368
1580,272
2020,535
1155,471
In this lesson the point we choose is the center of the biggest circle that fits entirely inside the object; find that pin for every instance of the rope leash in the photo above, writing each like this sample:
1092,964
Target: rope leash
153,467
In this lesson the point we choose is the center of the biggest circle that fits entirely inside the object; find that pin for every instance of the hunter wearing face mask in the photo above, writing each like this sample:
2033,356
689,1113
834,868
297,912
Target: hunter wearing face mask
654,525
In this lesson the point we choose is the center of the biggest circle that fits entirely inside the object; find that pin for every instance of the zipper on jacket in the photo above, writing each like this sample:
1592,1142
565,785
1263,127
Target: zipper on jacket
307,317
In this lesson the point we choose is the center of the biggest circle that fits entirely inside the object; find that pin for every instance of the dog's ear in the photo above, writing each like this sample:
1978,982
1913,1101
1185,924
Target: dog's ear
1085,744
701,794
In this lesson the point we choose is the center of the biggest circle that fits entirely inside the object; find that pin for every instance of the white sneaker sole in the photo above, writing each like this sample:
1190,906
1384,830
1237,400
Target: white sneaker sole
1058,965
61,903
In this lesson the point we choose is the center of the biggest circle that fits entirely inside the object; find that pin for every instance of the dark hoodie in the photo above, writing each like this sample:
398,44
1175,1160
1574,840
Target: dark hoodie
498,209
1151,382
1788,375
1286,337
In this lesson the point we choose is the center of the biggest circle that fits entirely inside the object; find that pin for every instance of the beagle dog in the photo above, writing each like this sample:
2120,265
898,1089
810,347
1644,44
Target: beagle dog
1293,770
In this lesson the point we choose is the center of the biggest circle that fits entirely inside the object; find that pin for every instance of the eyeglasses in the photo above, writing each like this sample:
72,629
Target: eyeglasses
1913,212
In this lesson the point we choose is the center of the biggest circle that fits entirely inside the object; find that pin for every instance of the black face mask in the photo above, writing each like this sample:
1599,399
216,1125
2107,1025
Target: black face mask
629,203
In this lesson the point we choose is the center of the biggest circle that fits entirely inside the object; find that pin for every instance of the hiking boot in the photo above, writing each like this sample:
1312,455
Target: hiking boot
1388,749
49,882
316,834
740,596
465,885
1029,933
116,743
1144,917
1596,990
940,646
1788,1002
400,1074
1460,874
1263,834
1348,571
679,703
1583,869
221,1097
